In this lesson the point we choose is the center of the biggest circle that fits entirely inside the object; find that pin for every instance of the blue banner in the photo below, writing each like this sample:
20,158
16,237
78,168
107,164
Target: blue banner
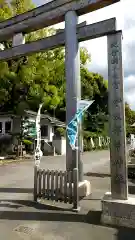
72,128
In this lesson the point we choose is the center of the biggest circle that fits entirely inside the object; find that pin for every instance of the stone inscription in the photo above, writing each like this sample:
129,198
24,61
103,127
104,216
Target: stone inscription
122,212
118,178
117,101
118,155
117,145
115,87
117,161
117,129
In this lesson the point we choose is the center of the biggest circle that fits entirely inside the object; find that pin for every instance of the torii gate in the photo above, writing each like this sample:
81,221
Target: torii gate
115,205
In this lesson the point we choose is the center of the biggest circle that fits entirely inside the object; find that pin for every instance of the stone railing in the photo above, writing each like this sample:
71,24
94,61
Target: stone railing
96,143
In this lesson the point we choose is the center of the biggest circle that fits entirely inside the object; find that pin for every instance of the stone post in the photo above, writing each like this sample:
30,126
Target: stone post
118,161
73,85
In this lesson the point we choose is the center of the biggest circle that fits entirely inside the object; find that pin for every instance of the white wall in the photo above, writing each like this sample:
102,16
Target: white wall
48,149
60,145
63,147
50,133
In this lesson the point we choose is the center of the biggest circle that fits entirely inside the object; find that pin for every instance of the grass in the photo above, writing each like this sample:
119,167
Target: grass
7,161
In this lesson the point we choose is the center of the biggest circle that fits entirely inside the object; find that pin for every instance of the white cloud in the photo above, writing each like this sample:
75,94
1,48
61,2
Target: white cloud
130,83
130,98
124,11
130,90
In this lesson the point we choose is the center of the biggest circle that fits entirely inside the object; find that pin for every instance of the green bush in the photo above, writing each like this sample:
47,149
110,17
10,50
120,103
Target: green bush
27,142
61,131
87,143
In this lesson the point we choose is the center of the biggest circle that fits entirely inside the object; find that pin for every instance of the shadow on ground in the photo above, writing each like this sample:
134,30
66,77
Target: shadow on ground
51,213
16,190
131,189
93,217
125,234
96,174
30,204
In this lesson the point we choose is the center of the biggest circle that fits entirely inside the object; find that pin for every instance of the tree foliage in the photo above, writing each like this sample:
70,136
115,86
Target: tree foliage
130,119
28,81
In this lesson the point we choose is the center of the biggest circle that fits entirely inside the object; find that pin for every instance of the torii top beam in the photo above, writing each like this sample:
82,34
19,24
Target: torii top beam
47,15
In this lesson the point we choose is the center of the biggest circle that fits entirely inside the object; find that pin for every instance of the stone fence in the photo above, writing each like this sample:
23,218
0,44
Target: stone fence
94,143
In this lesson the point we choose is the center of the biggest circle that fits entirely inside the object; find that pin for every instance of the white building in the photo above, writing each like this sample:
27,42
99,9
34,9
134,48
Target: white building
10,125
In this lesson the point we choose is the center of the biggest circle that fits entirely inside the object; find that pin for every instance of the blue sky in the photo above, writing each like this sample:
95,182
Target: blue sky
40,2
125,15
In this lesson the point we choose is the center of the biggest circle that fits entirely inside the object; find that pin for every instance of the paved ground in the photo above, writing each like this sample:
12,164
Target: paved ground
20,218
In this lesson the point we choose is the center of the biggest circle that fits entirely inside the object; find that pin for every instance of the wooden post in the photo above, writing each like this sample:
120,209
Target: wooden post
76,206
35,183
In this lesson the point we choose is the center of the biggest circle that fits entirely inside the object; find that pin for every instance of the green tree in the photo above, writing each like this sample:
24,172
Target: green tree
130,119
21,6
28,81
5,10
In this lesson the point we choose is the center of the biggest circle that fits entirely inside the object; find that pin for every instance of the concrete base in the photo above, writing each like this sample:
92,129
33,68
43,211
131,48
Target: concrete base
118,212
84,189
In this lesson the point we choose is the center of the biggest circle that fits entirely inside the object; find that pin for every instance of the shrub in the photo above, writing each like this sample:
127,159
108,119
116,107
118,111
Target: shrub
61,132
27,142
